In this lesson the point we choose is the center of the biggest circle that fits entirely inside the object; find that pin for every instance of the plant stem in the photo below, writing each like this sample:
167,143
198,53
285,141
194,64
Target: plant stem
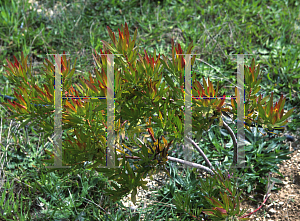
201,152
178,161
257,208
191,164
234,142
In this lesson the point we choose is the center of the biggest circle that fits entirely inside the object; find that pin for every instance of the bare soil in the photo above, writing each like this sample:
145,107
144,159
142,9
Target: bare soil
283,204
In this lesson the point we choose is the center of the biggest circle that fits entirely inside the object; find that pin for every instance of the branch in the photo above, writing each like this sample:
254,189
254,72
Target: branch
234,142
201,152
191,164
176,160
258,207
231,134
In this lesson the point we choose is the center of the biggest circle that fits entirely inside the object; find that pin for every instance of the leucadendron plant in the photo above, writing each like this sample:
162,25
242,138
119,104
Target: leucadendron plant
144,86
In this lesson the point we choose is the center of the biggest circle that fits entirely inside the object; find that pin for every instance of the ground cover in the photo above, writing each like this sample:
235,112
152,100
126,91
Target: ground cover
269,30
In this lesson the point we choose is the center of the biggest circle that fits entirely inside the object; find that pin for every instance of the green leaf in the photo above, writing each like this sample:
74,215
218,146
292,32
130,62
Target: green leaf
133,195
296,76
288,114
262,112
249,188
169,81
25,122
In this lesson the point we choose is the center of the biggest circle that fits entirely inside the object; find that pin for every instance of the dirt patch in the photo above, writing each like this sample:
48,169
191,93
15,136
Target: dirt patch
283,204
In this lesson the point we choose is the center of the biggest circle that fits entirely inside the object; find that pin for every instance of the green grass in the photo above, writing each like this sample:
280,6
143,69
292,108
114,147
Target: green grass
269,30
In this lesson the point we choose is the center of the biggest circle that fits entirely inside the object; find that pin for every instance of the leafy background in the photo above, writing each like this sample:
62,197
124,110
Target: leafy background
269,30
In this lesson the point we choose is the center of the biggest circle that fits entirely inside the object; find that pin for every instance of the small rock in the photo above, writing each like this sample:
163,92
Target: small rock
272,210
133,208
290,138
